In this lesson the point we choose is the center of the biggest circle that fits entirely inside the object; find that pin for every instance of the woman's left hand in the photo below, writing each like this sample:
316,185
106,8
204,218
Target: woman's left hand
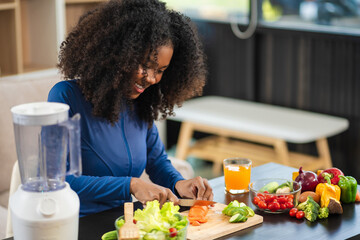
195,188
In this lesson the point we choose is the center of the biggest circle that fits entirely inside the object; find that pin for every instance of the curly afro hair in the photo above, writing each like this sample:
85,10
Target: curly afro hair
110,42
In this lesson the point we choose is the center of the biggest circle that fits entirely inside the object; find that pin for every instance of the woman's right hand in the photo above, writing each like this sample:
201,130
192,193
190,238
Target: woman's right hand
145,191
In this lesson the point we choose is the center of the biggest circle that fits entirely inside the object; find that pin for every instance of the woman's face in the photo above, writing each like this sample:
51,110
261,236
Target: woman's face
152,72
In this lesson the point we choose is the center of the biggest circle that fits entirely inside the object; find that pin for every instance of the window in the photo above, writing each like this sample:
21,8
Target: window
330,16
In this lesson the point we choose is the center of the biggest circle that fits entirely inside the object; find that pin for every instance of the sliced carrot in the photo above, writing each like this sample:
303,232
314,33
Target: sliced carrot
195,223
357,198
197,214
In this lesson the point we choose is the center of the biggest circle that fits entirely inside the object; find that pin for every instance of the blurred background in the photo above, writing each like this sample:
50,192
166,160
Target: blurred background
302,54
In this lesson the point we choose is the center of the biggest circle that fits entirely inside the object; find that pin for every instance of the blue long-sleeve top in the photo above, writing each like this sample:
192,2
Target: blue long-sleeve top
113,154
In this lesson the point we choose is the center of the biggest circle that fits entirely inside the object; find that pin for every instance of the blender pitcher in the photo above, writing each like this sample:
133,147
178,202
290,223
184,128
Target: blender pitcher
48,149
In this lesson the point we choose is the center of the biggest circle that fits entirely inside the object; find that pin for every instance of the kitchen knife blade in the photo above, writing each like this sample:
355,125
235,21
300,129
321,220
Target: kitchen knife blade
192,202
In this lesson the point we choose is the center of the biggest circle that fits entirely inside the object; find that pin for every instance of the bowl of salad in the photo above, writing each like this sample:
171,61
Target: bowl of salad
274,195
158,223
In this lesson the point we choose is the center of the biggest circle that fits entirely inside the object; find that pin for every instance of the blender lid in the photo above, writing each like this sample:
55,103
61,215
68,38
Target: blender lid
40,113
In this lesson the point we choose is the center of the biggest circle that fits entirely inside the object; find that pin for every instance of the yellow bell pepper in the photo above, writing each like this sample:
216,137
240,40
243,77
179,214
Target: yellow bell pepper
327,190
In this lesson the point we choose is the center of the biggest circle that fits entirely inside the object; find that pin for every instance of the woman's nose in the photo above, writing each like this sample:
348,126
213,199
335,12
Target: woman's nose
151,78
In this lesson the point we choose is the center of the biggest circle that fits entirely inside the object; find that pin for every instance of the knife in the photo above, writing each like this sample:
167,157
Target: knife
192,202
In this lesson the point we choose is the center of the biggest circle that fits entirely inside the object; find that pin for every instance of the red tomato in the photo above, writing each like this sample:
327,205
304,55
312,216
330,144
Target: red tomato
256,200
282,200
269,198
260,195
293,212
276,206
289,205
283,206
173,232
290,197
262,205
134,221
265,192
300,214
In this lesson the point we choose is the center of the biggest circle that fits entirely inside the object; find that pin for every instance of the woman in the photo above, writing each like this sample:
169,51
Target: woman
130,62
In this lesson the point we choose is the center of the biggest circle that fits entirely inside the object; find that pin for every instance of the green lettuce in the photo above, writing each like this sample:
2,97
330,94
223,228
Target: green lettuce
154,223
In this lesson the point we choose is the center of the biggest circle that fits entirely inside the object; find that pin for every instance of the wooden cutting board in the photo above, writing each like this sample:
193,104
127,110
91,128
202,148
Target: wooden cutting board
218,224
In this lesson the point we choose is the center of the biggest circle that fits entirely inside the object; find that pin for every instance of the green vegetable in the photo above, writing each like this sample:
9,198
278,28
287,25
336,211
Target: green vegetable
238,211
238,218
235,210
348,186
120,222
251,212
310,208
323,213
112,235
270,187
285,187
154,223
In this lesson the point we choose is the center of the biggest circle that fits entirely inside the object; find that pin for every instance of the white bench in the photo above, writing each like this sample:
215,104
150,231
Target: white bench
254,130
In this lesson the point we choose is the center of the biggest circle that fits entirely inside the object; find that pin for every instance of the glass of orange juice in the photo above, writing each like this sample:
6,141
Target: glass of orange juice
237,175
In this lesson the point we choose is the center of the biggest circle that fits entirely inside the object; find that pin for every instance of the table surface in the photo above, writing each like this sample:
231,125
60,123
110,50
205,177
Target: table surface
275,226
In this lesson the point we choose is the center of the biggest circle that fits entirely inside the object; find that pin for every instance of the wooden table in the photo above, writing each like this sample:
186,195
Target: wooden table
275,226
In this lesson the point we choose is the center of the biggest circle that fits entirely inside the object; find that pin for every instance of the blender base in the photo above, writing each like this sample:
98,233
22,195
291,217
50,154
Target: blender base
45,215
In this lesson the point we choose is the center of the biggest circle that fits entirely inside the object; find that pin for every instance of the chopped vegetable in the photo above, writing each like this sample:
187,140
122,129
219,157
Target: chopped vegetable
283,190
348,186
288,186
323,213
270,187
327,190
310,208
238,218
155,223
198,213
357,198
335,206
112,235
240,210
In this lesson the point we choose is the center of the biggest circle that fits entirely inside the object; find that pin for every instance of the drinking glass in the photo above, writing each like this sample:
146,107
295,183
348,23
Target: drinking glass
237,173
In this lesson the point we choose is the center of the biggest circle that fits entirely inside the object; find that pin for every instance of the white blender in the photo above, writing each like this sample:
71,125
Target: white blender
44,207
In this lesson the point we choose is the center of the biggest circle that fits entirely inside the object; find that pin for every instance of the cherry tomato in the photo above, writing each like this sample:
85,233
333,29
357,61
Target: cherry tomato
270,198
289,205
265,192
173,232
300,214
262,205
273,206
260,195
290,197
283,206
256,200
293,212
282,200
134,221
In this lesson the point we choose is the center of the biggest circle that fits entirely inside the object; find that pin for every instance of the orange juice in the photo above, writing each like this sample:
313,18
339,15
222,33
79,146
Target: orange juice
237,175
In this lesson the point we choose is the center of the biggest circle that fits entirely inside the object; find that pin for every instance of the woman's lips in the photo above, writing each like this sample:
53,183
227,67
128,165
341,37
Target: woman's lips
139,88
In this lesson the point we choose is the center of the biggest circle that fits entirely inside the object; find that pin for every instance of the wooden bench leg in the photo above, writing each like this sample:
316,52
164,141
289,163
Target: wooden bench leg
217,168
282,151
183,144
324,152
